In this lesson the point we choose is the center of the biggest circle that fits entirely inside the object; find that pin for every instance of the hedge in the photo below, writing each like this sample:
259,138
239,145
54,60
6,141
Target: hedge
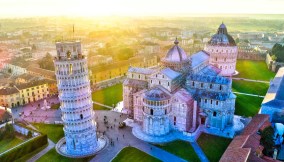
24,149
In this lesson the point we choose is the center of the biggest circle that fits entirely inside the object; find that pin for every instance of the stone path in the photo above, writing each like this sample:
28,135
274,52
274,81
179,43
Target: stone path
251,80
199,152
42,152
248,94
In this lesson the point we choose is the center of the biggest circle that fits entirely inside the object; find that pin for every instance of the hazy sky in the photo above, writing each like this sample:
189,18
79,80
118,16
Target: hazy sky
13,8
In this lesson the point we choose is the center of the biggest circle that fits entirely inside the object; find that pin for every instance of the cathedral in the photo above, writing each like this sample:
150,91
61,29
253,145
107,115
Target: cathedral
185,91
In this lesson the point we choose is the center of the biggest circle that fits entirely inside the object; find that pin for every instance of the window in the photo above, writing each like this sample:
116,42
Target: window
214,113
192,84
168,84
165,111
151,112
220,87
201,85
81,116
159,82
217,102
211,101
205,100
211,86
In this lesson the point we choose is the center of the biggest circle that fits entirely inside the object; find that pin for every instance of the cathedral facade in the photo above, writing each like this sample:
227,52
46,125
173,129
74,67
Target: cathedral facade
183,93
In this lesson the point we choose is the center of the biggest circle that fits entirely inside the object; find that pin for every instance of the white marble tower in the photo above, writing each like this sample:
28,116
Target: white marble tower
75,99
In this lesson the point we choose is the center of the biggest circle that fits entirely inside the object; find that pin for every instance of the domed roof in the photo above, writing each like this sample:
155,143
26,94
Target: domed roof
176,54
222,37
156,94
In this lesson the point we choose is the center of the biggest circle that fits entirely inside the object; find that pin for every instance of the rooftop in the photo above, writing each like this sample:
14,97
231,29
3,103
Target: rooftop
145,71
199,58
170,73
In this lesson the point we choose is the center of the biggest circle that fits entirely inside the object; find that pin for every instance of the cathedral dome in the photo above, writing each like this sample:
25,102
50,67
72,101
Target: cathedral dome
222,37
156,94
176,54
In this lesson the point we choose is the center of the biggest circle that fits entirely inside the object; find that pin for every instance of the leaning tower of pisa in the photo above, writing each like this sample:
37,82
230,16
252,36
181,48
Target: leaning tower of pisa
75,101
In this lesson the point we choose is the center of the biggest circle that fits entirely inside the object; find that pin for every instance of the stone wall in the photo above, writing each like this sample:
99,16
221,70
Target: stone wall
273,65
24,131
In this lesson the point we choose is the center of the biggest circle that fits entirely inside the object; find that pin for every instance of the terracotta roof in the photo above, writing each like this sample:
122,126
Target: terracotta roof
41,71
31,84
4,115
244,147
8,91
255,124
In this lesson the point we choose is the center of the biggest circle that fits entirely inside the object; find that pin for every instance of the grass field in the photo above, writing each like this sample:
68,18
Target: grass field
131,154
250,87
53,156
108,96
181,149
247,105
213,146
53,132
256,70
6,144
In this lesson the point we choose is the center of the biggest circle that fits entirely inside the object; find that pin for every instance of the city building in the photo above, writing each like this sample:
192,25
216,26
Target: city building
183,93
273,102
12,69
21,94
248,52
76,102
118,69
223,51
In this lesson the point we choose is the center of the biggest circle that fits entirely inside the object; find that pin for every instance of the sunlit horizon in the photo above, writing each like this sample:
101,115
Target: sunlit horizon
93,8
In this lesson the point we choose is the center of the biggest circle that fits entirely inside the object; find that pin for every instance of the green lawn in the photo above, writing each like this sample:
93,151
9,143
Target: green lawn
53,156
256,70
6,144
131,154
54,132
182,149
250,87
108,96
247,105
213,146
55,106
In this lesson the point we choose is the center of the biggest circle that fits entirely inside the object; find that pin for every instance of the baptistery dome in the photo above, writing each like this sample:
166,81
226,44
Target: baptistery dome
222,37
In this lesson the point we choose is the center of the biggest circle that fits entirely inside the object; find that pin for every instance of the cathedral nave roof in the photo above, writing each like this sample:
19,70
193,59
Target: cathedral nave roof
210,70
184,95
199,58
170,73
209,79
199,93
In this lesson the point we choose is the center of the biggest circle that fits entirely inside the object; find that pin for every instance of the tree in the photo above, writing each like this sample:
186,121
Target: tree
10,70
29,134
46,62
278,51
267,140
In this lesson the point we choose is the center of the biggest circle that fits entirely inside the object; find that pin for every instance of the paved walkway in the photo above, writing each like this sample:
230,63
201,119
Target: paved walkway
42,152
248,94
123,138
251,80
199,152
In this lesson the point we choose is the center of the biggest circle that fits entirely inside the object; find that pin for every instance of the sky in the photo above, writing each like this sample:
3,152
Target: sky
27,8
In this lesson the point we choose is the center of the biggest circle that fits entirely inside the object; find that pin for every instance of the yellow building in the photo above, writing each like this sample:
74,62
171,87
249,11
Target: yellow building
118,69
23,93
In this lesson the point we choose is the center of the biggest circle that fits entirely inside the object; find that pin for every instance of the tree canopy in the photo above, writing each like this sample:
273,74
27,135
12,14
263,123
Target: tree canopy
46,62
278,52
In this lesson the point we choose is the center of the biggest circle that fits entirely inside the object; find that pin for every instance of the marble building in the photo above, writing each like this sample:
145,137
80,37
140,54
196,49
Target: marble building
75,100
183,93
223,51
